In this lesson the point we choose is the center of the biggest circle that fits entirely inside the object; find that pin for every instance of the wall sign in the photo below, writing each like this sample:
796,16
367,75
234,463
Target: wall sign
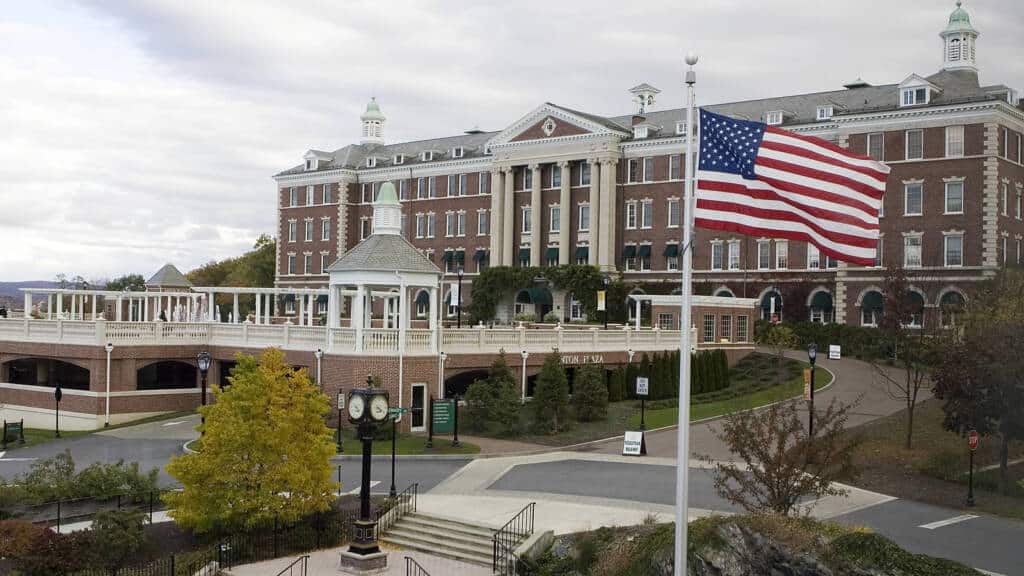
582,359
642,385
833,352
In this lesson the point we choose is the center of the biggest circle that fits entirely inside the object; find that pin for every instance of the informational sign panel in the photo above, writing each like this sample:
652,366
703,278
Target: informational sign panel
641,385
443,420
341,400
600,301
972,440
454,294
807,384
633,444
395,411
833,352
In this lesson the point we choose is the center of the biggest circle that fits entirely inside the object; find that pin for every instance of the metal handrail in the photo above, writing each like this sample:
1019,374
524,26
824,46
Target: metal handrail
402,504
302,563
509,536
413,568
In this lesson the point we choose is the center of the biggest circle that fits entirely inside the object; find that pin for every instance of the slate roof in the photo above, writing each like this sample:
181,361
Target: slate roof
384,252
958,86
169,276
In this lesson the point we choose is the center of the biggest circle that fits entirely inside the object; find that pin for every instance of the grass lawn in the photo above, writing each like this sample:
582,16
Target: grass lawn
699,410
935,468
408,444
36,436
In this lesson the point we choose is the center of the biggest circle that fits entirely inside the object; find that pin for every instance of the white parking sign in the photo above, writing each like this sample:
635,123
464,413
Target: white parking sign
641,385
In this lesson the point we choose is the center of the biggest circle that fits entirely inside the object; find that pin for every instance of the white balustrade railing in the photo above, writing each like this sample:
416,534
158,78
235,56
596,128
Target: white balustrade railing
418,342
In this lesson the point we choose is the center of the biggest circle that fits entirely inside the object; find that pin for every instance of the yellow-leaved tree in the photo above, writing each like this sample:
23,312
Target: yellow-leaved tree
265,454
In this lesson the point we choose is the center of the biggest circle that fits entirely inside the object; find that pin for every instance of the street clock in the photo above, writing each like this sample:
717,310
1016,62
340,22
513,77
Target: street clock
367,405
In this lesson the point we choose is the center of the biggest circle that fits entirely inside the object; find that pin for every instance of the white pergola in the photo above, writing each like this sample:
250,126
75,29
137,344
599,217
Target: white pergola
266,302
141,306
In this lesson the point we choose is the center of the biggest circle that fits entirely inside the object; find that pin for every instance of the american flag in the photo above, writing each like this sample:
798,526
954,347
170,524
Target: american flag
763,181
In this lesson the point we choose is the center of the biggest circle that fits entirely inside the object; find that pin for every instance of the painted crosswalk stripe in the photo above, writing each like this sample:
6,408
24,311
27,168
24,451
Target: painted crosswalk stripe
947,521
356,490
173,423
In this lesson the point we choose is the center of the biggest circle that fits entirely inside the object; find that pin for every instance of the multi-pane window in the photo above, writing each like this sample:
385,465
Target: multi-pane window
460,223
813,257
484,183
293,197
673,213
527,178
291,230
403,189
404,226
309,194
452,186
646,213
878,252
824,112
327,194
717,250
913,199
555,219
782,254
675,167
912,96
432,187
325,229
633,170
954,249
449,224
291,263
425,225
324,262
575,309
665,321
584,173
365,226
734,255
741,328
915,144
463,184
307,262
366,193
648,169
631,215
481,223
912,251
309,230
1017,211
954,141
584,224
421,189
556,176
1006,199
527,220
831,262
725,327
954,197
876,146
764,254
672,261
709,328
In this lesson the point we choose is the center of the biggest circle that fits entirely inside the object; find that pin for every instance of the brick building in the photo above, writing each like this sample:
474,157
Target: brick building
560,186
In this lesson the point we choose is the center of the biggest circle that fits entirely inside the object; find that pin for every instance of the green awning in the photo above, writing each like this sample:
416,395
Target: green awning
582,252
644,251
671,250
629,251
540,296
289,297
460,256
524,254
480,255
448,256
321,299
822,300
951,300
872,301
915,301
552,253
423,297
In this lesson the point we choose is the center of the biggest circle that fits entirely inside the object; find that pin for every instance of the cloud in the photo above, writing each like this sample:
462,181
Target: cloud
136,133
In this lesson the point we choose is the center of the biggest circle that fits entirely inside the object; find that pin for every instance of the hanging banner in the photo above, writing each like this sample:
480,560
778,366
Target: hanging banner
454,294
600,301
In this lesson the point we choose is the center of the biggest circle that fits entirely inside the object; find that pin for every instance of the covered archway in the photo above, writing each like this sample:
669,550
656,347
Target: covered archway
914,306
871,308
951,306
46,372
820,307
771,305
457,384
534,300
167,375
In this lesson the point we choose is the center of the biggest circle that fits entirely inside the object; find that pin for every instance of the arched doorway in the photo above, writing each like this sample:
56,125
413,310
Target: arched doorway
951,306
166,374
459,383
820,307
914,307
871,308
535,300
46,372
771,306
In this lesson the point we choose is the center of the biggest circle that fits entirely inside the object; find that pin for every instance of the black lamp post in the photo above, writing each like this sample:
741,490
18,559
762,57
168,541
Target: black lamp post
460,272
203,361
812,355
57,395
607,282
367,409
394,433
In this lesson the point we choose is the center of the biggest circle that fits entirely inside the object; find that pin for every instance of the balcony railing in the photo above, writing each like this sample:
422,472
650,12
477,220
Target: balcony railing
375,341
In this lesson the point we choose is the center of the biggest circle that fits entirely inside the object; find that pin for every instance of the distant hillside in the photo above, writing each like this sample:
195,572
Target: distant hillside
13,289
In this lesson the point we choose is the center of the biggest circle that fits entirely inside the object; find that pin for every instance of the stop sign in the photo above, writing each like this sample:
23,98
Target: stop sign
972,440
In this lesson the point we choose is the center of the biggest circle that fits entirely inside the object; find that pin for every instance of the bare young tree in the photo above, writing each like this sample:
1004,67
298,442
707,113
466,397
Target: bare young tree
780,339
780,463
912,349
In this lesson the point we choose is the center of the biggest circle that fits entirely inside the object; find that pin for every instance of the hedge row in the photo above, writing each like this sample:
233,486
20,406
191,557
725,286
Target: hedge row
856,341
709,371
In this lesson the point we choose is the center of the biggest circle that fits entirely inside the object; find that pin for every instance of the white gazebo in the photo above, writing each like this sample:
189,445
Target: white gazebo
384,266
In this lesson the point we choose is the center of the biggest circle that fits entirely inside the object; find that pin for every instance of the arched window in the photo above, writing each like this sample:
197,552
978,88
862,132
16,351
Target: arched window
871,308
422,304
166,374
950,308
771,306
915,306
821,307
724,293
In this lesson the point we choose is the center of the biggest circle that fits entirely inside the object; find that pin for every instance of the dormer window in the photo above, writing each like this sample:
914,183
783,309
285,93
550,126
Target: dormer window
311,163
824,112
371,162
640,131
773,118
681,128
914,96
398,159
487,149
457,152
426,156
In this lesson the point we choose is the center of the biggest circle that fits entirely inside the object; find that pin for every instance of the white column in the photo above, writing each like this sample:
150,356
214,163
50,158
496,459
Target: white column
508,248
117,312
636,320
272,307
606,257
28,305
402,313
74,305
565,244
235,308
93,307
60,303
434,340
301,299
358,316
496,218
537,242
333,298
49,306
259,307
311,309
211,307
595,212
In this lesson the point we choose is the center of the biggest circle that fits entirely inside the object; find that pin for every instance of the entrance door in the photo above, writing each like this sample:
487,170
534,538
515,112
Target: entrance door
418,412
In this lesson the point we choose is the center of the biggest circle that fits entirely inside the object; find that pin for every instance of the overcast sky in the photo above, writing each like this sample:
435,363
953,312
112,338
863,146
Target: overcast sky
134,133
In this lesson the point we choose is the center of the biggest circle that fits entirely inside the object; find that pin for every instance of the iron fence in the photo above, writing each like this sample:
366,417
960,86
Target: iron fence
413,568
296,568
61,512
508,537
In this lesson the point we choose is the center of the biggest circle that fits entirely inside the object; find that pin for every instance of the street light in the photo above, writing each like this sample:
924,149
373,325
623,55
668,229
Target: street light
460,272
203,361
525,355
109,348
812,355
606,280
318,354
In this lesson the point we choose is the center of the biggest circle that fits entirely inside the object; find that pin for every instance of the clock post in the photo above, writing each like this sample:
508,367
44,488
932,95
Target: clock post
367,409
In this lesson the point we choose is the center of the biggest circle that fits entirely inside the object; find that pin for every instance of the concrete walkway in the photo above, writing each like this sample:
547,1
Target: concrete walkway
325,562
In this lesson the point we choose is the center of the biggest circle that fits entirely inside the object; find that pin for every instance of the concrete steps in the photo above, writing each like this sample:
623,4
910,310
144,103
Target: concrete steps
443,537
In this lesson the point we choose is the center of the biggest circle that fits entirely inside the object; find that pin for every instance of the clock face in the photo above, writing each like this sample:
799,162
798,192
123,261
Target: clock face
379,408
356,407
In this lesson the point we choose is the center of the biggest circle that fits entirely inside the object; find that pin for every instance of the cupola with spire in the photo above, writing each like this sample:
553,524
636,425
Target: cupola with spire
373,123
387,211
958,41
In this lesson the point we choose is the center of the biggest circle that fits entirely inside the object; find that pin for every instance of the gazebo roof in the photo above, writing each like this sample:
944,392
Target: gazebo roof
169,276
384,252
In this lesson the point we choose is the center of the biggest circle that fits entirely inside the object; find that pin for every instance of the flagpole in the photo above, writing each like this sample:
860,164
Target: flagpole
683,428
